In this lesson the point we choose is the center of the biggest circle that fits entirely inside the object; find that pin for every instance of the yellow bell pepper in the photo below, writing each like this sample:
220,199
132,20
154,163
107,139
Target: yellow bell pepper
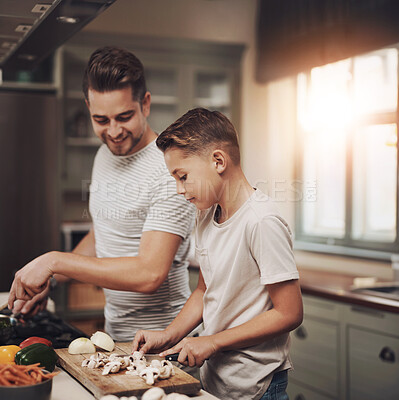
7,354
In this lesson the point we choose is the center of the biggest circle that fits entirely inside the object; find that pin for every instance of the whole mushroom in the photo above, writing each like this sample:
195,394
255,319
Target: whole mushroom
176,396
154,393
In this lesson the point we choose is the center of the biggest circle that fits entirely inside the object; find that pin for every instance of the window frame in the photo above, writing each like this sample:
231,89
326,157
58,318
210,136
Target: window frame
346,246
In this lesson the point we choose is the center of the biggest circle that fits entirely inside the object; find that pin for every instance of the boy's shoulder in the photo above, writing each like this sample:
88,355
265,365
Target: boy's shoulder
255,209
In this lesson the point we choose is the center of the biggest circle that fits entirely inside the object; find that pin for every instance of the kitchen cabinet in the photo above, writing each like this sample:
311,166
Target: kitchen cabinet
297,391
344,352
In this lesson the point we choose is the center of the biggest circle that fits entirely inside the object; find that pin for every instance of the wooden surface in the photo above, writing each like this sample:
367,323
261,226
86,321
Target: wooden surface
120,383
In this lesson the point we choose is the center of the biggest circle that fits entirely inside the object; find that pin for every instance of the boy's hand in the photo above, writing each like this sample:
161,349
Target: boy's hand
193,350
155,341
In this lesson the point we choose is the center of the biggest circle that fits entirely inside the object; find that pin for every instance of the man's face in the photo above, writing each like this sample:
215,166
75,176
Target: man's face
196,177
118,120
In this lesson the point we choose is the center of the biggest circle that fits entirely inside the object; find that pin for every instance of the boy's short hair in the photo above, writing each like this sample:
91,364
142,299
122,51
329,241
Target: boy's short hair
112,68
197,130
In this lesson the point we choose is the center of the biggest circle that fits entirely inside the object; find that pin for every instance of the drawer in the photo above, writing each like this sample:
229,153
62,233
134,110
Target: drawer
321,308
315,355
296,391
369,318
373,365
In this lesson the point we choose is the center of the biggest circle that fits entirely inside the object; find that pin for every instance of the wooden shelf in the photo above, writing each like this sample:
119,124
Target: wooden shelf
28,86
164,100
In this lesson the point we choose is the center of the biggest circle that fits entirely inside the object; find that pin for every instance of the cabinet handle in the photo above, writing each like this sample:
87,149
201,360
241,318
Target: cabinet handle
300,397
387,355
301,333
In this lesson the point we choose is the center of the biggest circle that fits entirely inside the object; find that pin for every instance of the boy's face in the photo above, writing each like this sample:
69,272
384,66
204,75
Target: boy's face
118,120
196,177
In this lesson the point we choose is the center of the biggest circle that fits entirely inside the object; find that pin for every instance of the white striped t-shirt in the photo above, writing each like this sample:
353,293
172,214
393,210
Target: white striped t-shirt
130,195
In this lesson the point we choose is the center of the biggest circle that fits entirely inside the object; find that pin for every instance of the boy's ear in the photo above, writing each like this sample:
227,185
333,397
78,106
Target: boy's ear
219,158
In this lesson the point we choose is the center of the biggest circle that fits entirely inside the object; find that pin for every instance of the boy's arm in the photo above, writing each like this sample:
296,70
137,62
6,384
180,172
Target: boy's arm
188,319
286,315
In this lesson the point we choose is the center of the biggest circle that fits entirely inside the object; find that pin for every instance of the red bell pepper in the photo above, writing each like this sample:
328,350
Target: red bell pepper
35,339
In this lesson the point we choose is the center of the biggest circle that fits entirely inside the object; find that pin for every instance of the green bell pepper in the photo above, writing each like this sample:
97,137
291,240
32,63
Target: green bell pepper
37,353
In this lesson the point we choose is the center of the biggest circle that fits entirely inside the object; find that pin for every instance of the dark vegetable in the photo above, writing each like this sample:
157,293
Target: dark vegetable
35,339
37,353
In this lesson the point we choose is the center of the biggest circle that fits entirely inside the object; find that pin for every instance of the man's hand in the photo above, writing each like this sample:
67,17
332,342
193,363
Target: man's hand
193,350
29,308
154,341
32,279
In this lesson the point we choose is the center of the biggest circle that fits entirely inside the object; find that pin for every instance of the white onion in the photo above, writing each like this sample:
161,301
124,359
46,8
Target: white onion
81,345
102,340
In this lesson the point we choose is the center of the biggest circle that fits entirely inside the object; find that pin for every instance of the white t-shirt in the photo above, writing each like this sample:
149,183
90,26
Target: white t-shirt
238,258
130,195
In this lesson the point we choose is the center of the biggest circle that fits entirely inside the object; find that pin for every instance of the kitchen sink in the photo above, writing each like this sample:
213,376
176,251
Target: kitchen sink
388,290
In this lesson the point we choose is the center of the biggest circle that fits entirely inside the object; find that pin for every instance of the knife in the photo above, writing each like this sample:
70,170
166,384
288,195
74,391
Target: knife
169,357
150,357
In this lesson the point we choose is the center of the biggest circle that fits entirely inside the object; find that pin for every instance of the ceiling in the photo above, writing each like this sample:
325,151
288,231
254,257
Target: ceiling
31,29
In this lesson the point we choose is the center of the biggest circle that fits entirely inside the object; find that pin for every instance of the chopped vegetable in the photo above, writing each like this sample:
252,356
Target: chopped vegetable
35,339
81,345
21,375
37,353
102,340
7,354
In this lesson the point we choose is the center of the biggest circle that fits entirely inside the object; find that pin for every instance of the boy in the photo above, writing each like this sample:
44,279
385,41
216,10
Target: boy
248,296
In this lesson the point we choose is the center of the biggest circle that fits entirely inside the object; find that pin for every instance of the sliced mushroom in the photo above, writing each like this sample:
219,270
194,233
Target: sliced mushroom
137,367
166,370
111,367
138,356
150,374
154,393
156,364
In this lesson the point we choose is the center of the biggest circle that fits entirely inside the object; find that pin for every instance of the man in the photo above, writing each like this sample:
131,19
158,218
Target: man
137,249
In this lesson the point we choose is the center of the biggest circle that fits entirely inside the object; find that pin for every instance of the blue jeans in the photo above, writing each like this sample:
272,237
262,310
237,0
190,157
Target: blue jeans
277,387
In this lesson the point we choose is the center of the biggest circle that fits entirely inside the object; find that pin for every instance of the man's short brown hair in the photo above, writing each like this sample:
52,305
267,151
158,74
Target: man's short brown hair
112,68
197,130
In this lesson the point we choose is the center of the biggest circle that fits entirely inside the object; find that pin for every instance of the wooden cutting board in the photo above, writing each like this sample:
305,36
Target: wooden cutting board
121,384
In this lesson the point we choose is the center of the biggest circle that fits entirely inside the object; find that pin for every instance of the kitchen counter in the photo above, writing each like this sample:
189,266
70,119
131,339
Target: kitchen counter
65,387
337,287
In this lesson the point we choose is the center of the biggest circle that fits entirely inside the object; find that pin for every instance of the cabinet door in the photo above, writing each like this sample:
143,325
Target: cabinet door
297,391
314,352
373,366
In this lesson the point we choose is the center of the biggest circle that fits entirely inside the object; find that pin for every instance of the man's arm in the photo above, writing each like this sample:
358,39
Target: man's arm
144,273
86,247
31,307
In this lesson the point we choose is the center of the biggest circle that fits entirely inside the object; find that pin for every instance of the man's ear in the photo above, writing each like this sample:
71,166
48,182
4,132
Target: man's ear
146,104
219,158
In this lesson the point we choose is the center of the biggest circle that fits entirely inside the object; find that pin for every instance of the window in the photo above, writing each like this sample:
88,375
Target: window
347,129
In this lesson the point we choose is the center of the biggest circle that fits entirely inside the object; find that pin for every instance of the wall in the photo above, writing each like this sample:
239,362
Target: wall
267,110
